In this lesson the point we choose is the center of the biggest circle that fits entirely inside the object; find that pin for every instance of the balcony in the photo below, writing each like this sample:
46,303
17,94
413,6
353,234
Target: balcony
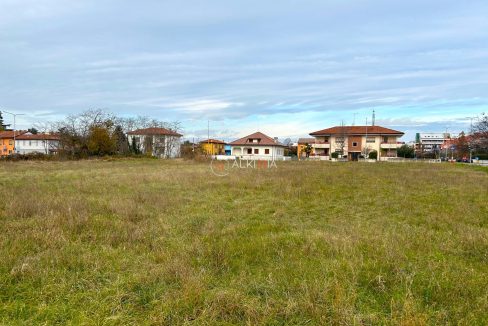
321,145
391,145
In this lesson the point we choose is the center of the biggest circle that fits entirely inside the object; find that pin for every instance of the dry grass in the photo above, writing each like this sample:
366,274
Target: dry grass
159,242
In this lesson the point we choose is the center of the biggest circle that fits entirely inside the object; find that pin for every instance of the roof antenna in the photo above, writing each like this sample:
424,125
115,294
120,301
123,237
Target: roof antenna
374,117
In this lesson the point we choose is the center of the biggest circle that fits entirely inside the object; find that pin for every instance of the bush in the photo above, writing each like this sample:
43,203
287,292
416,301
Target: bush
335,155
373,155
483,156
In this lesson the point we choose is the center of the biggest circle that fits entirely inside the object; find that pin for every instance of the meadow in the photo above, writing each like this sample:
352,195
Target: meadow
154,242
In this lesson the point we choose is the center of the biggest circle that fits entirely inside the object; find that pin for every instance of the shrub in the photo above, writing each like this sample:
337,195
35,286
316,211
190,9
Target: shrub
335,155
373,155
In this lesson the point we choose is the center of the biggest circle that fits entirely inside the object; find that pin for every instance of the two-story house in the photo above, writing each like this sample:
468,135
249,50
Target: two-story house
353,141
37,143
7,141
213,147
258,146
159,142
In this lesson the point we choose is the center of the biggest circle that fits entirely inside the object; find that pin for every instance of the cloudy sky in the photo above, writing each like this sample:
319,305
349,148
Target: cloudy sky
285,67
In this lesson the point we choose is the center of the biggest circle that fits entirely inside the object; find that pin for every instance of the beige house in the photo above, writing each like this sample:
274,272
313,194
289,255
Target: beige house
352,142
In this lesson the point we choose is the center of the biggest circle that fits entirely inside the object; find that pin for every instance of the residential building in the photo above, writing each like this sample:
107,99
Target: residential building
213,147
228,149
159,142
301,146
258,146
431,141
353,141
28,143
7,143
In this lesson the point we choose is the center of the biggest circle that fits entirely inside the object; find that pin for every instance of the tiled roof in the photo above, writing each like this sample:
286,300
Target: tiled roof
263,140
10,133
29,136
212,141
154,131
357,130
306,140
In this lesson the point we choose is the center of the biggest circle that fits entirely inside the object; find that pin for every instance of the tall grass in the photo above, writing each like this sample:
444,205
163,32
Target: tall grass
166,242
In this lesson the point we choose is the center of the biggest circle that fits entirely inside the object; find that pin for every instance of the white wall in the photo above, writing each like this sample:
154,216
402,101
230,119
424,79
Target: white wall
36,146
171,144
275,152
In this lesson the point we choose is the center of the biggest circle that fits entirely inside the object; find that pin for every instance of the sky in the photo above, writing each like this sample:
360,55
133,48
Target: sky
286,68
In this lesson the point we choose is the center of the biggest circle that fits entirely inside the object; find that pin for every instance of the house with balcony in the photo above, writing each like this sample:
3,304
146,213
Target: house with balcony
302,145
352,142
258,146
158,142
213,147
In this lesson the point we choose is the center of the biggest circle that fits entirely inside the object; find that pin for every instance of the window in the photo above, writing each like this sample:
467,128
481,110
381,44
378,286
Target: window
256,151
11,142
385,139
370,140
354,144
266,151
249,151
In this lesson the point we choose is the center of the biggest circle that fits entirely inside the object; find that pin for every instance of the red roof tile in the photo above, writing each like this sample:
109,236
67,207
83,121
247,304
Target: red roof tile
154,131
10,133
357,130
263,140
29,136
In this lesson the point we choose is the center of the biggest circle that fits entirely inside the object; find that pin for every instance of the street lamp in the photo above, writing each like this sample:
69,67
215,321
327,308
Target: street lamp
15,116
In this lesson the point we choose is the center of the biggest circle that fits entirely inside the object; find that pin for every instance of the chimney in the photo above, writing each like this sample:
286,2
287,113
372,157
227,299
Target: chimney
276,139
374,117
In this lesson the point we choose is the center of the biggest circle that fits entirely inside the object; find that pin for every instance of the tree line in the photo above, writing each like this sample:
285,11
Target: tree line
97,132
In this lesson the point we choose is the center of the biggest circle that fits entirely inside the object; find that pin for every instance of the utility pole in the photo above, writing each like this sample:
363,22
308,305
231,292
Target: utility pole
471,139
15,116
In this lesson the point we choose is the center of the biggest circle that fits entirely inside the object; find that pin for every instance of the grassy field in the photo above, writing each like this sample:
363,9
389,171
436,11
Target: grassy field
159,242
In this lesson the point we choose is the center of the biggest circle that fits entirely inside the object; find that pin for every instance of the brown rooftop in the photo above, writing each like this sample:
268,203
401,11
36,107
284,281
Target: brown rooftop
154,131
10,133
262,140
356,130
29,136
306,140
212,141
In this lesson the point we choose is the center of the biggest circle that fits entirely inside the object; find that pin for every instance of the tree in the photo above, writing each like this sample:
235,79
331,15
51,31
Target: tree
462,146
100,141
2,125
406,151
479,137
307,149
33,131
121,142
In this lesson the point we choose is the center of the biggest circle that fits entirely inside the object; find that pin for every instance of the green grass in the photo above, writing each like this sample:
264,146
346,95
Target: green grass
166,242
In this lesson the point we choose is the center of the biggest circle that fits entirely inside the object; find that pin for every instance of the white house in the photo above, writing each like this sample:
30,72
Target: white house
28,143
257,146
160,142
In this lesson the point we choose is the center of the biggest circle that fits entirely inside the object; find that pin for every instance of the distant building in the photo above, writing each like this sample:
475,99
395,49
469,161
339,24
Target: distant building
213,147
258,146
302,144
7,142
159,142
29,143
228,149
353,141
431,141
